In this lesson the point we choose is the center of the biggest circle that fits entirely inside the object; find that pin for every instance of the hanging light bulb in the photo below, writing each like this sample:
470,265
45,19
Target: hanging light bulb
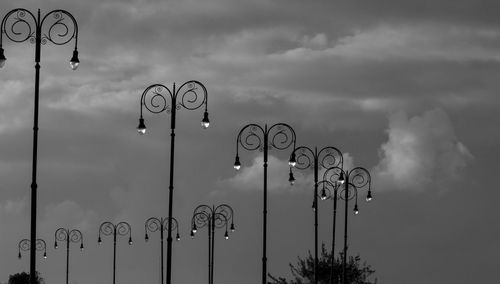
237,164
205,122
74,62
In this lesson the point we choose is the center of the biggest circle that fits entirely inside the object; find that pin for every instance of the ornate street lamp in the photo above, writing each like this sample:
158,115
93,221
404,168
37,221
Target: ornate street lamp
350,181
154,224
120,229
307,158
158,98
212,218
25,245
58,27
252,137
65,235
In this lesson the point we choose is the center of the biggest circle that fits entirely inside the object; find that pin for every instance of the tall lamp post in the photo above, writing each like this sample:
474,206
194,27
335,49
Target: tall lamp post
306,158
351,181
25,245
58,27
212,218
254,137
329,191
158,98
120,229
154,224
68,236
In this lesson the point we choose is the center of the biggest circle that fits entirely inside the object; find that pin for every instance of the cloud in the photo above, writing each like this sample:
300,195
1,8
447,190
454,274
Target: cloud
421,150
67,214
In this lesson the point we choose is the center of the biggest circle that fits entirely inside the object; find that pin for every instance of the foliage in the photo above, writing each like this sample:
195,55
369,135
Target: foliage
303,271
24,278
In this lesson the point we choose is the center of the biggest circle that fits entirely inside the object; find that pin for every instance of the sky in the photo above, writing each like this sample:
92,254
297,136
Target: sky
406,89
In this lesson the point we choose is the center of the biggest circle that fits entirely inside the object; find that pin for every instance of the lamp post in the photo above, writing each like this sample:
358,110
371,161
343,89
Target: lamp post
58,27
329,191
351,181
254,137
154,224
120,229
68,236
158,98
25,245
306,158
212,218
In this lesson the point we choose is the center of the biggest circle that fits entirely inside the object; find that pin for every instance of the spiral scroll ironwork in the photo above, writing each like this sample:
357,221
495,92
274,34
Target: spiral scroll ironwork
220,215
191,95
25,245
333,174
158,98
279,136
326,158
20,25
66,235
120,229
154,224
360,177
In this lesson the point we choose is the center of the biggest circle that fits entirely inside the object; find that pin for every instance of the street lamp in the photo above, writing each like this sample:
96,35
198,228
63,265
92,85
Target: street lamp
120,229
306,158
58,27
158,98
25,245
253,137
65,235
350,181
154,224
212,217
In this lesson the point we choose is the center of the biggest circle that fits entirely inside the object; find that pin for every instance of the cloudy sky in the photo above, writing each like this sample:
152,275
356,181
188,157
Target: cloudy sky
406,89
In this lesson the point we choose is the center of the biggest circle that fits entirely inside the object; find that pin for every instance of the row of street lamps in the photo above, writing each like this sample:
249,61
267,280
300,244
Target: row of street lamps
204,215
60,27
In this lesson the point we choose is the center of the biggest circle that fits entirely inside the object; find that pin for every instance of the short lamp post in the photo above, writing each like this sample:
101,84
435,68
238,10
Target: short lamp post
212,217
350,181
158,98
68,236
306,158
58,27
251,137
120,229
154,224
25,245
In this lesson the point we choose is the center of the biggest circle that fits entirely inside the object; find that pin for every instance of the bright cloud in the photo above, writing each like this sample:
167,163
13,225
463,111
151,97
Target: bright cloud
420,150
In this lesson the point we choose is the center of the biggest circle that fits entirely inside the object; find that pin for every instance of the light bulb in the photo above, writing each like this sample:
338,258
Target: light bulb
74,62
237,164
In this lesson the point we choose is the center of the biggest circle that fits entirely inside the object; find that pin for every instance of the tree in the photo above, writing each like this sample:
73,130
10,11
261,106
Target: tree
24,278
303,271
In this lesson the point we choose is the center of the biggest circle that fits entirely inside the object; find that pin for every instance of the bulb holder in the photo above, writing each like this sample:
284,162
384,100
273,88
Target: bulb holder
237,164
74,62
292,162
2,58
141,128
205,122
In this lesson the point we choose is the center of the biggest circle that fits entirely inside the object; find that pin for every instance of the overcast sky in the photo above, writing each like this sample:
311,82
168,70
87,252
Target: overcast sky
406,89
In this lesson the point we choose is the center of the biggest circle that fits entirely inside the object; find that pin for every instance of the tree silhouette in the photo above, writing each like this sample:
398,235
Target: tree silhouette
24,278
303,271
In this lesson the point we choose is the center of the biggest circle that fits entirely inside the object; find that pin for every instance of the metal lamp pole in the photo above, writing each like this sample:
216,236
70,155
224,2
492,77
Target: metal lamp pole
352,180
325,158
154,224
20,25
120,229
254,137
158,98
212,218
73,236
329,191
